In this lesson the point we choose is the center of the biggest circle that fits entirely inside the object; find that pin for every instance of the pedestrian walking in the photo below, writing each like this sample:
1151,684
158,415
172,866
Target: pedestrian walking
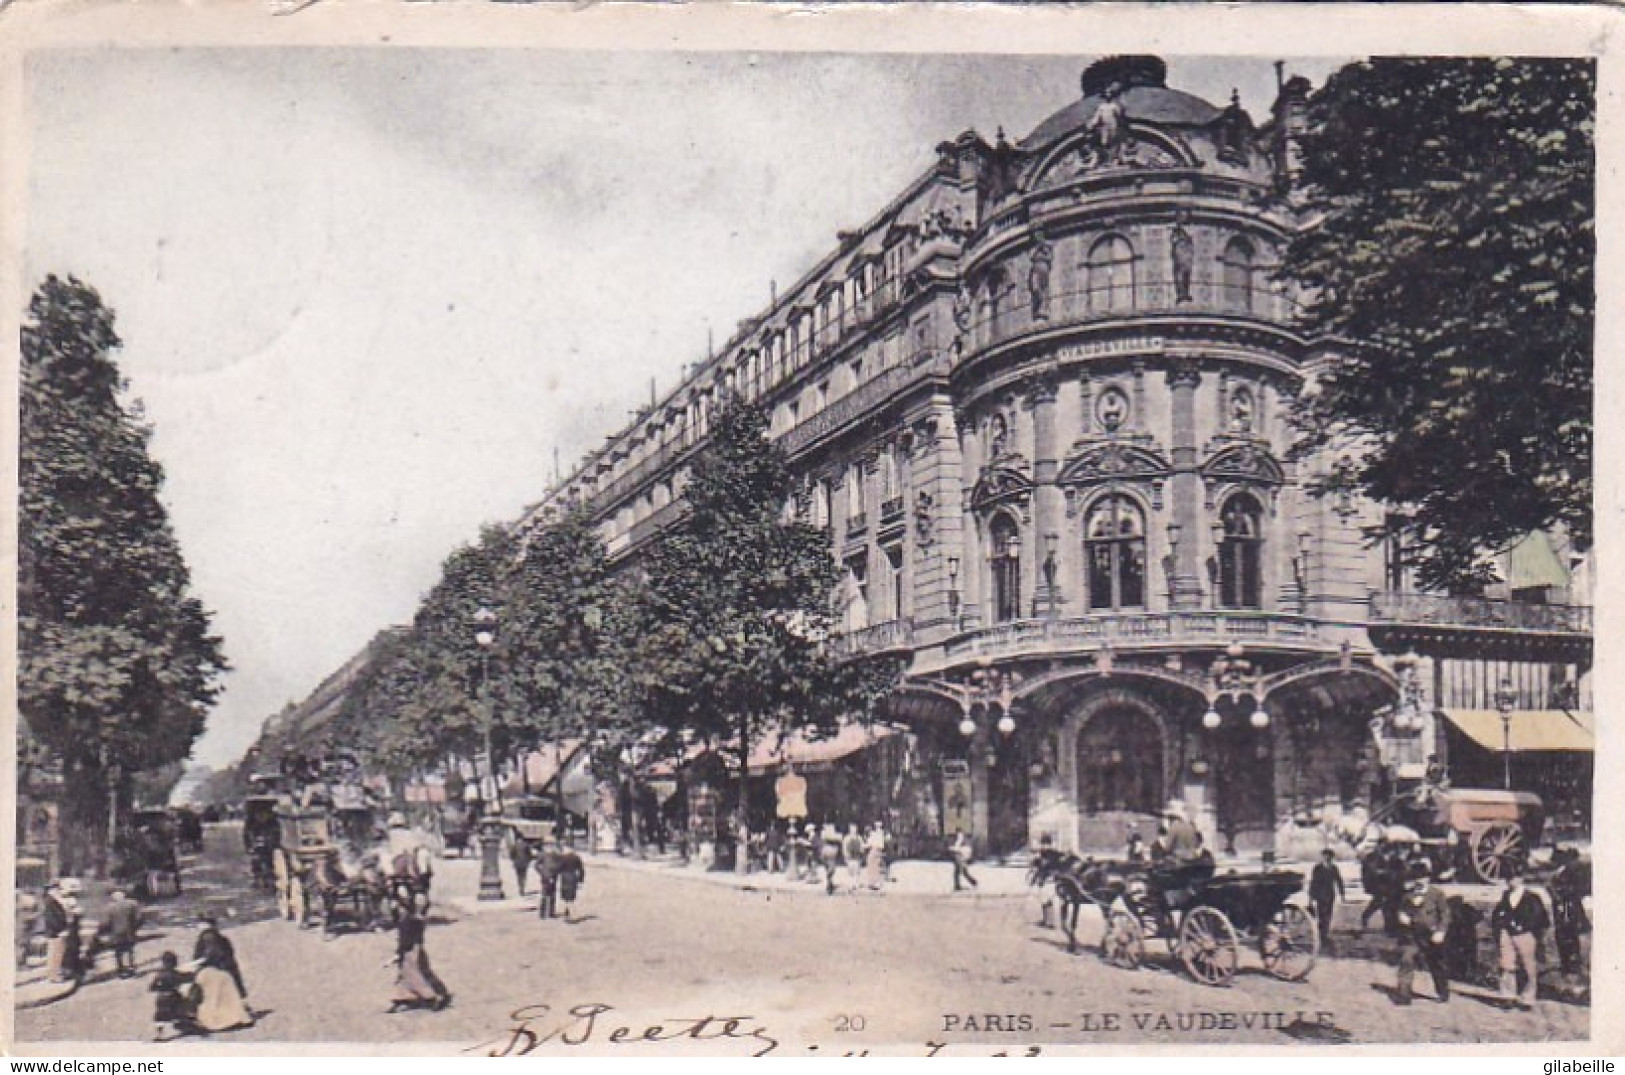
547,880
1383,878
519,852
1325,892
222,998
122,922
214,950
1570,886
830,855
874,866
572,875
171,1007
54,924
416,984
1518,922
962,850
1423,916
775,848
73,955
852,852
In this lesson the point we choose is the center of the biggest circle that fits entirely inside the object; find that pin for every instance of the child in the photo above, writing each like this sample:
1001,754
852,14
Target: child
170,1006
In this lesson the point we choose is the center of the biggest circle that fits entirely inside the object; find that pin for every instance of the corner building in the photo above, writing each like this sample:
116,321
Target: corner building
1040,404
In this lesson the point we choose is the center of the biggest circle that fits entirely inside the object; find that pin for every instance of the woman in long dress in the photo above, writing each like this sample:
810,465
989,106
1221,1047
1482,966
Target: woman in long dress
222,999
220,1004
416,985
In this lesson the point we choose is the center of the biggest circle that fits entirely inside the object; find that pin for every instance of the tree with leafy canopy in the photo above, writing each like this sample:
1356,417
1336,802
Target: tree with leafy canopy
566,616
738,606
1448,260
117,665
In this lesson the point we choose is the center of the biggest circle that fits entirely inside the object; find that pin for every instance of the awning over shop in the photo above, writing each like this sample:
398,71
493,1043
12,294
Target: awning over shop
1531,729
800,748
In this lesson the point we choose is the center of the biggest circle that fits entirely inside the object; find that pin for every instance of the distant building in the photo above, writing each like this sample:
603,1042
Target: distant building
1040,402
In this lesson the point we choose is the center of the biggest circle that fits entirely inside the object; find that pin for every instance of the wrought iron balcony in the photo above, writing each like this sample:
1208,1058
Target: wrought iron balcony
1125,299
891,510
1434,610
1132,629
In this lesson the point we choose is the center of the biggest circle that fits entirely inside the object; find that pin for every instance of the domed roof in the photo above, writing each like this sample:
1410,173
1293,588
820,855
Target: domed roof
1139,82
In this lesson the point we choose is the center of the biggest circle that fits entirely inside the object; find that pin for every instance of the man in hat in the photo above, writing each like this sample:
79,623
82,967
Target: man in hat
54,924
1184,842
123,921
1424,917
1518,922
1325,890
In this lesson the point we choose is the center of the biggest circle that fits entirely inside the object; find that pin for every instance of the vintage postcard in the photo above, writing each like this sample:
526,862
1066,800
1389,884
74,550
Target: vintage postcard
755,531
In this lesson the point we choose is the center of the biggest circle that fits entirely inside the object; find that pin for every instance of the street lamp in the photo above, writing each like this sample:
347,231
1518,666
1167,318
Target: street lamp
490,829
1505,698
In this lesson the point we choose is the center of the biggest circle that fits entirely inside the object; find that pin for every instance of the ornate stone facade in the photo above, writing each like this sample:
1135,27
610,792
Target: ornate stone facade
1040,402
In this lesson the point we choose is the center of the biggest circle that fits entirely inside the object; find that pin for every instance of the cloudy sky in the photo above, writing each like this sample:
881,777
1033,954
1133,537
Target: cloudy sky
367,294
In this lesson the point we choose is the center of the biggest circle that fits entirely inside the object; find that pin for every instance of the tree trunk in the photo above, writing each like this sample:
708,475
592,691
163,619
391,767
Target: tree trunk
82,825
742,810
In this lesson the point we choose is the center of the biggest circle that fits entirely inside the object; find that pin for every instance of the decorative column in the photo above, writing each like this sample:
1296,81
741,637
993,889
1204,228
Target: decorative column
1048,510
1185,486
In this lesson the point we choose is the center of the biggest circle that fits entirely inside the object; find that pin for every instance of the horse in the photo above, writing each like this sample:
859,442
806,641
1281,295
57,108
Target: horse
1077,881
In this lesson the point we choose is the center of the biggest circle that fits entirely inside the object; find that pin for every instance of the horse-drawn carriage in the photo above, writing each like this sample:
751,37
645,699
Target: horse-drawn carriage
312,883
145,857
1202,918
262,834
457,824
1467,834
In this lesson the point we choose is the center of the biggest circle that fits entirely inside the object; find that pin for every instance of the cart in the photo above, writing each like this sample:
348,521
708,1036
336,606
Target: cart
146,857
1485,833
1204,920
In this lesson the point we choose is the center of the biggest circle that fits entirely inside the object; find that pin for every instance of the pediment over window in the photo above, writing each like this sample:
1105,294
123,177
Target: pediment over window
1244,463
1114,462
1000,483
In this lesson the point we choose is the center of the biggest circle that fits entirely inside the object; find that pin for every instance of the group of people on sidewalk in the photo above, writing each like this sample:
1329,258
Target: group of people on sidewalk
824,853
560,873
1440,934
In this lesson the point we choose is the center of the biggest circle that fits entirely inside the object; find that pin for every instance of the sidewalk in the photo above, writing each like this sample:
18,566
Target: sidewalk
457,881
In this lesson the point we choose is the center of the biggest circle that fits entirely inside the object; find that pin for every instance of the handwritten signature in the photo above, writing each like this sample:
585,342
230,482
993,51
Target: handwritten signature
536,1025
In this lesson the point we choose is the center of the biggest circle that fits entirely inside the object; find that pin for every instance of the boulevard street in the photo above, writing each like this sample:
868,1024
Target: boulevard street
725,967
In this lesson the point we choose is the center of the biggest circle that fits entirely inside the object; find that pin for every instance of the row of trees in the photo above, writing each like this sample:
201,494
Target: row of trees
532,636
117,667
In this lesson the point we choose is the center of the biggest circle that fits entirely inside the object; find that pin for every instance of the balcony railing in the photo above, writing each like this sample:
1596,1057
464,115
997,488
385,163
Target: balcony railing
860,401
1481,612
856,524
896,634
1143,297
1132,629
891,510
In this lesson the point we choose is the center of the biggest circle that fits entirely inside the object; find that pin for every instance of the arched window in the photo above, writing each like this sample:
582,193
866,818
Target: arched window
1239,263
1005,540
1239,553
1111,274
1114,550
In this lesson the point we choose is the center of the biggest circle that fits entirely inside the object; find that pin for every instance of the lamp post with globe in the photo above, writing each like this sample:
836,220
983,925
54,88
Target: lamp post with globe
490,824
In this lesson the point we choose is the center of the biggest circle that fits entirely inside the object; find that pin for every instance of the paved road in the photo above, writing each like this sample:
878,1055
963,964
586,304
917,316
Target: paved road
792,967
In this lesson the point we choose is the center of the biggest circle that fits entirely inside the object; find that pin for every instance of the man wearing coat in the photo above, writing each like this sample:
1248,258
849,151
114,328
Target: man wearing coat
548,868
1325,890
1424,918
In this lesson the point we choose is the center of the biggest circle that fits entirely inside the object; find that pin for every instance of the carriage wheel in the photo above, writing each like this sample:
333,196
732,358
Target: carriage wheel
282,875
1498,851
1207,945
1123,944
1288,944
